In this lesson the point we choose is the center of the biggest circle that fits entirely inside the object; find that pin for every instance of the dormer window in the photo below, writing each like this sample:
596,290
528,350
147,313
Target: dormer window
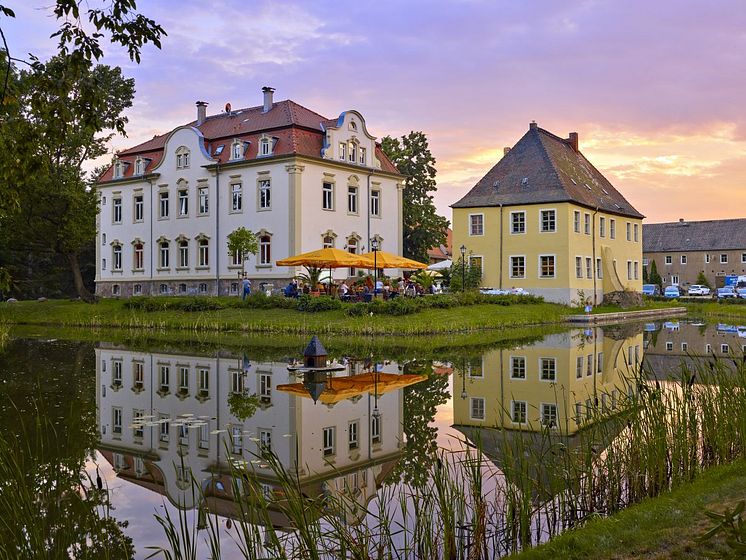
343,151
363,156
118,169
182,158
265,146
353,126
352,154
139,166
237,150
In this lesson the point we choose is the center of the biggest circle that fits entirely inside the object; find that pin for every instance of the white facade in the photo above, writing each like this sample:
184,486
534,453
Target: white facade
164,230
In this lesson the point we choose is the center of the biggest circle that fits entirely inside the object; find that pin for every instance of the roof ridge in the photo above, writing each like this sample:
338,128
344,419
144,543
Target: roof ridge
322,117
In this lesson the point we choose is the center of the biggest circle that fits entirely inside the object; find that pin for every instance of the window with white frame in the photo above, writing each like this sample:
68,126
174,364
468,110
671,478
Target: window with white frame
588,267
139,208
629,270
589,365
117,210
118,169
477,408
116,373
103,264
115,290
204,253
629,231
236,258
683,259
669,259
599,268
265,147
576,221
375,203
165,427
578,267
237,150
375,429
203,200
203,375
743,258
117,420
723,258
669,346
182,157
343,150
602,226
163,204
549,415
139,166
327,241
518,266
548,369
476,224
579,368
137,419
353,434
587,223
183,202
546,266
517,367
184,379
725,349
548,220
138,375
164,378
329,437
236,197
265,250
612,228
164,250
517,222
707,259
636,229
636,268
519,412
265,387
327,196
203,441
137,289
237,381
116,257
352,152
265,194
184,253
352,199
363,156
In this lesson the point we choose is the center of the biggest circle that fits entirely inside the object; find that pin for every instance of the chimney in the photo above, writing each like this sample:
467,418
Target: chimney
681,220
573,140
506,149
533,125
268,91
201,112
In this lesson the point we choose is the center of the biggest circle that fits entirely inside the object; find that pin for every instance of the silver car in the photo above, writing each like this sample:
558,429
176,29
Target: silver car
698,290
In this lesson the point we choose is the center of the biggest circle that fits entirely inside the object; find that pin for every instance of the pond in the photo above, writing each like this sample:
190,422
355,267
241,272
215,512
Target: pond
103,439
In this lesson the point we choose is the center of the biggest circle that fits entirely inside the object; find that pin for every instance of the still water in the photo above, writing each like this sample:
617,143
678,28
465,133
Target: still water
145,423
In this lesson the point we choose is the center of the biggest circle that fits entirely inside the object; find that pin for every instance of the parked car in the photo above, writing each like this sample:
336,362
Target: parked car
651,290
698,290
671,292
727,292
741,292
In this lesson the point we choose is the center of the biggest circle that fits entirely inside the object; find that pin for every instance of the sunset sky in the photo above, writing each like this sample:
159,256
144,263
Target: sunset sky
656,90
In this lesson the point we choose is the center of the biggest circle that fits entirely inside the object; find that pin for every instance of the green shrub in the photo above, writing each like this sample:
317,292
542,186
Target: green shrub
312,304
356,309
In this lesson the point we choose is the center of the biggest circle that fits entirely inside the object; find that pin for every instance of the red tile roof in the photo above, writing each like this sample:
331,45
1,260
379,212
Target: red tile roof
438,255
297,130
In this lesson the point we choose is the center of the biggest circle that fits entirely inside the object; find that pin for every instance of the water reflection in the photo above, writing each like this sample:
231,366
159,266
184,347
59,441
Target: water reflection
166,418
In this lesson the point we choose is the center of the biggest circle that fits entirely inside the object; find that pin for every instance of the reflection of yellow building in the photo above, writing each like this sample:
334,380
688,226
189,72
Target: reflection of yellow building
560,382
544,219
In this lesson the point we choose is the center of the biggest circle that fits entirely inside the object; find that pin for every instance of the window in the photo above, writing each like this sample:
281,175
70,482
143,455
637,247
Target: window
589,365
265,387
602,226
237,150
579,367
517,367
202,288
103,264
578,267
184,379
669,259
265,147
164,378
645,261
139,258
375,429
116,257
234,287
115,290
183,202
707,259
629,231
265,441
548,367
352,152
588,267
352,434
103,239
327,242
204,202
182,288
138,375
117,209
352,249
612,228
636,267
519,412
683,259
164,253
599,268
139,208
138,166
137,289
265,250
236,258
476,224
265,194
182,158
352,200
117,420
363,156
669,346
546,266
329,435
475,263
587,223
723,258
708,348
236,197
327,196
237,382
636,228
116,373
118,171
725,349
183,253
600,363
548,220
576,221
375,203
204,437
629,270
517,222
549,415
163,206
343,150
137,430
743,258
203,374
204,254
476,409
518,267
675,279
684,346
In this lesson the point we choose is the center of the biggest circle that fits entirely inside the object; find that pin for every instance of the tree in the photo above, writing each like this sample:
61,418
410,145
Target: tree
51,127
243,242
645,279
423,227
472,275
702,279
653,275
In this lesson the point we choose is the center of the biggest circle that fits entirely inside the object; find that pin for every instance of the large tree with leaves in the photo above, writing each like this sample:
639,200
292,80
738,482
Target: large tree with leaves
53,124
423,227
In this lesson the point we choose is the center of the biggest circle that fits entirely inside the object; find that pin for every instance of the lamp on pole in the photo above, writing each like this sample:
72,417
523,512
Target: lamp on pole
374,247
463,267
463,379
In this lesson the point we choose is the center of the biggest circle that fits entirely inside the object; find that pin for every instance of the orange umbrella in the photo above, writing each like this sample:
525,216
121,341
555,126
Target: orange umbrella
329,257
341,388
389,260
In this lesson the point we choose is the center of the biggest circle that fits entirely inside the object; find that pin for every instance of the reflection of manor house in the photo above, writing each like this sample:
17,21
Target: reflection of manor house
164,418
559,382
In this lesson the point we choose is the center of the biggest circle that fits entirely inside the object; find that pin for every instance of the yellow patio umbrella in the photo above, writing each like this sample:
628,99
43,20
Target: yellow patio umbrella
341,388
383,259
329,257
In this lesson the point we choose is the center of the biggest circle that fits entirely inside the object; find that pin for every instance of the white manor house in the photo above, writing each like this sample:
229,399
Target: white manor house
298,180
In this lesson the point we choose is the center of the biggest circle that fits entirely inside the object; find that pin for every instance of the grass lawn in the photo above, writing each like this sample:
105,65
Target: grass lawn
656,529
714,309
112,313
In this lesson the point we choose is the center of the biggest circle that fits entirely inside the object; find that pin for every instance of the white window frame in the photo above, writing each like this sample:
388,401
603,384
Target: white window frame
587,223
554,265
601,226
481,406
683,259
183,253
116,217
510,266
375,203
327,196
138,208
163,205
543,409
547,360
612,228
668,260
203,249
265,250
264,194
542,211
578,266
517,360
472,224
636,232
353,435
203,201
576,221
329,441
116,257
236,197
513,216
164,254
522,407
183,201
723,258
588,267
352,199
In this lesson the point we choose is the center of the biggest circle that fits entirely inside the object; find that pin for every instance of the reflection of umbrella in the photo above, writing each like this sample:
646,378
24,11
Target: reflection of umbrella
442,265
329,257
341,388
389,260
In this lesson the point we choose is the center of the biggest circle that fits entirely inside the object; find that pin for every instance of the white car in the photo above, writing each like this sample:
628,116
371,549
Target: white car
698,290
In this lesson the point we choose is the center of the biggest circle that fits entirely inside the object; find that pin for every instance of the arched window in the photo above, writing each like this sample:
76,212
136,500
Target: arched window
118,169
182,157
115,290
116,257
328,242
138,261
137,289
183,253
164,254
163,288
265,250
204,254
352,247
265,146
237,149
139,166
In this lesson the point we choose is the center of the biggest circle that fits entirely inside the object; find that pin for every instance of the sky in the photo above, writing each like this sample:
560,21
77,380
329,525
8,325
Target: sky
654,89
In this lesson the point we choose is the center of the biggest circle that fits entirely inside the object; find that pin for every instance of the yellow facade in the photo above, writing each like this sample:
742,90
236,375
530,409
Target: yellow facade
579,233
567,378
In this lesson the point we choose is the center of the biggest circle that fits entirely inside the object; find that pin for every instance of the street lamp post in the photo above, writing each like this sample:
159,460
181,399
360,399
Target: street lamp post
374,247
463,268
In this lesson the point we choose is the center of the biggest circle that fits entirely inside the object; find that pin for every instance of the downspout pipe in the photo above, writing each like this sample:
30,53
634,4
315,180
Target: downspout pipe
218,244
150,209
502,234
594,264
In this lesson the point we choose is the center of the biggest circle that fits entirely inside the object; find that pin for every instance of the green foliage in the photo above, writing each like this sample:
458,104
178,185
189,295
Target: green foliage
472,275
313,304
409,306
702,279
424,280
654,277
731,524
243,405
243,242
423,227
311,276
645,279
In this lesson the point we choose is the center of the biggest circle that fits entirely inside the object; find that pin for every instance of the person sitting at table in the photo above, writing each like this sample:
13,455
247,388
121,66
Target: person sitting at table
344,289
291,290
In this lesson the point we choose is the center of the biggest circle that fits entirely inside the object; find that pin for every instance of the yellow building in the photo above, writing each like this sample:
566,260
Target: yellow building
545,220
